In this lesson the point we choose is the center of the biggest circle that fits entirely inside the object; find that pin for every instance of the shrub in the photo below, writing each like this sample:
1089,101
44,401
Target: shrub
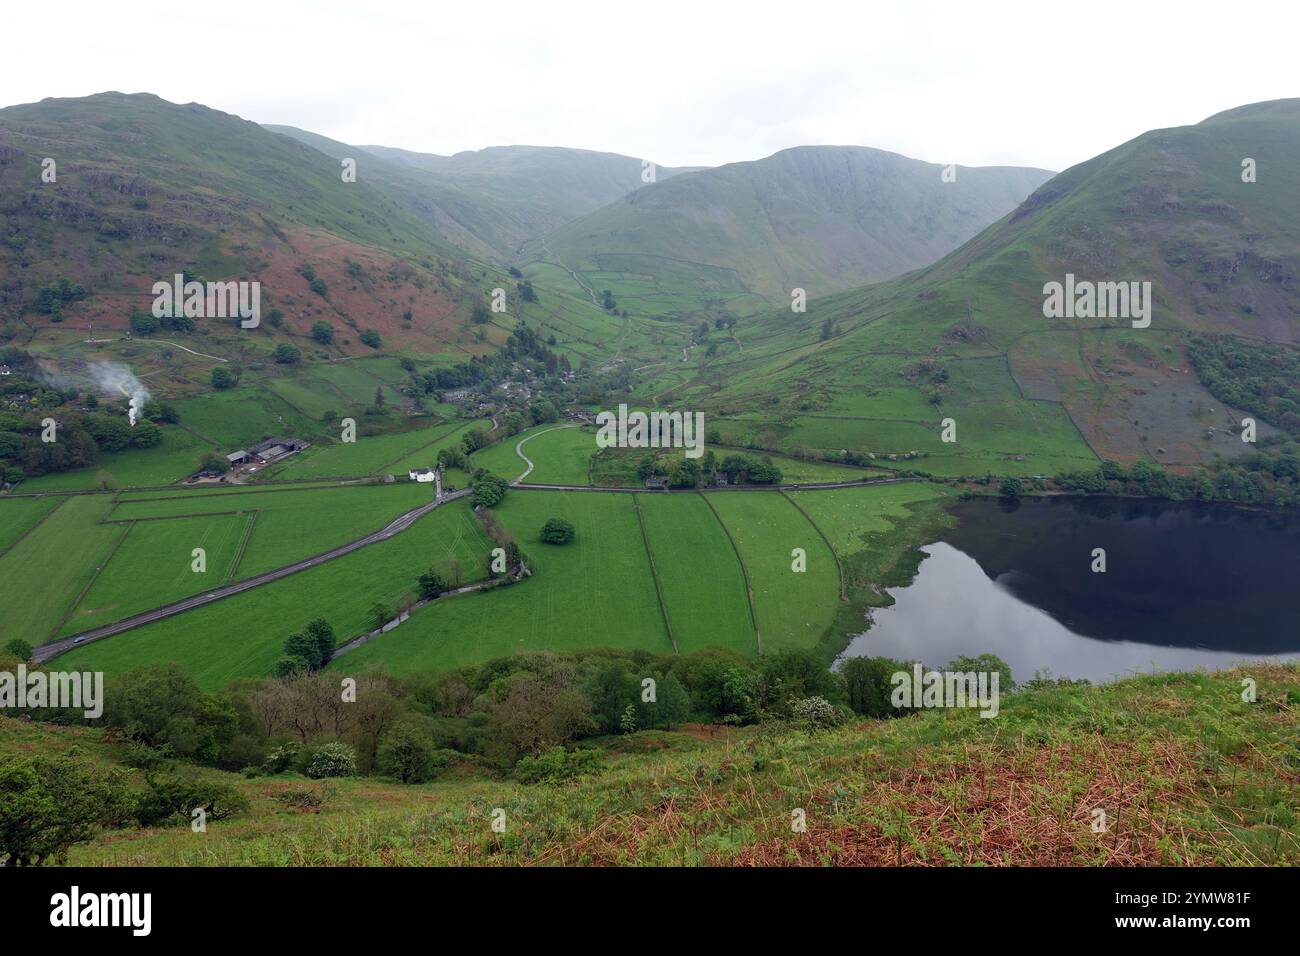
281,758
170,798
557,764
870,685
286,354
407,755
144,757
332,759
143,323
431,584
815,713
289,665
307,799
557,531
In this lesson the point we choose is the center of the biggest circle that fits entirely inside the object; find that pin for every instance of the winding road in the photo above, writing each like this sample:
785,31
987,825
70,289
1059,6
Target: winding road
519,450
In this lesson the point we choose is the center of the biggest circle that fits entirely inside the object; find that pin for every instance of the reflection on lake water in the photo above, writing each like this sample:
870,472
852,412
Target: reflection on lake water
1186,585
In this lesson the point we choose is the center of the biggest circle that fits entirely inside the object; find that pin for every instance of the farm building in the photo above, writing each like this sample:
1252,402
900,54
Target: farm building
422,474
266,452
720,478
656,481
273,449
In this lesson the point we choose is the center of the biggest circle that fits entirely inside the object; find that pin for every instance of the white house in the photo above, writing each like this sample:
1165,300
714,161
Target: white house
422,474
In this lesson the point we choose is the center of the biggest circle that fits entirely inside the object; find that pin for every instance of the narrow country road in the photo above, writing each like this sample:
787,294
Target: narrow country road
519,450
399,524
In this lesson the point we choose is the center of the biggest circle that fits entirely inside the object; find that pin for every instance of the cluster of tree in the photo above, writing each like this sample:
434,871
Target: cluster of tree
503,539
744,468
314,282
431,584
539,412
683,472
50,299
308,650
83,428
1261,377
1269,476
482,371
48,803
144,323
489,489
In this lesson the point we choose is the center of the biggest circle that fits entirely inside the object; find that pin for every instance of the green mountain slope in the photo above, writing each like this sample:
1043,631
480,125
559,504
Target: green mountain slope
144,189
821,218
878,369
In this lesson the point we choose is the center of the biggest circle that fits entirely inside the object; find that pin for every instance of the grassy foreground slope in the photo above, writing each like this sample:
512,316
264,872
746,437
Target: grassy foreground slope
1185,772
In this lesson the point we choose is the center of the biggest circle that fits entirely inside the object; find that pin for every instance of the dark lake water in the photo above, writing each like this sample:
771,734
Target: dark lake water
1186,585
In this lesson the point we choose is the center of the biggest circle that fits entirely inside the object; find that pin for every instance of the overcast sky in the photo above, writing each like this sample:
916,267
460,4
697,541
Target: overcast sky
680,83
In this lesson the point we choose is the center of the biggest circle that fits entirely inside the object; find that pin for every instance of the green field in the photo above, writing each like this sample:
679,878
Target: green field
368,455
291,524
561,456
46,572
501,459
595,591
427,455
794,609
153,566
700,575
849,517
243,636
20,515
177,456
243,416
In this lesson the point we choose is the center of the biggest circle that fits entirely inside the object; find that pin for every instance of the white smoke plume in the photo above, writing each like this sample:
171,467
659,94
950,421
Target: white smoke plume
107,378
115,377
